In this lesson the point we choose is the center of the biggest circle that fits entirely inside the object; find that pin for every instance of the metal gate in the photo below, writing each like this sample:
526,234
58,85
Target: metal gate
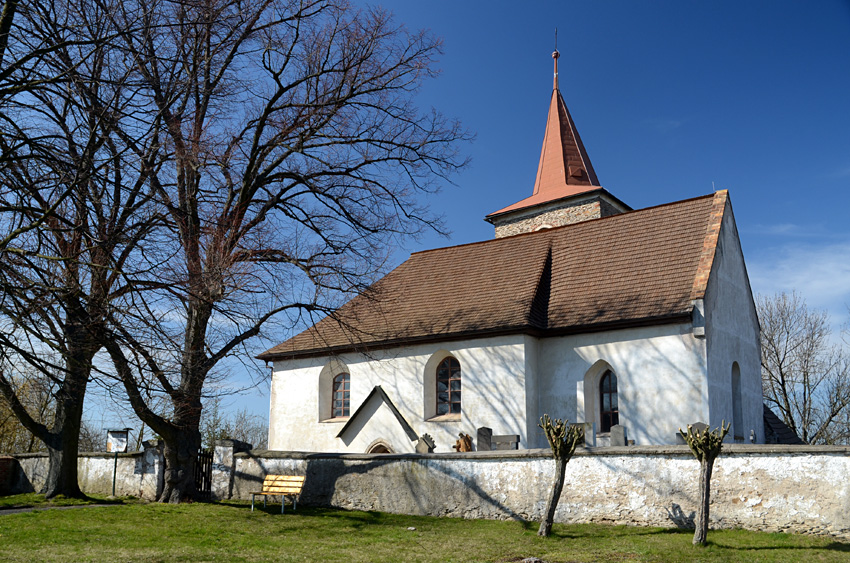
203,474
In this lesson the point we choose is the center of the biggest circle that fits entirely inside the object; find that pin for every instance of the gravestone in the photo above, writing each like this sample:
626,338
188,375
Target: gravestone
505,442
589,433
697,426
618,435
484,439
425,445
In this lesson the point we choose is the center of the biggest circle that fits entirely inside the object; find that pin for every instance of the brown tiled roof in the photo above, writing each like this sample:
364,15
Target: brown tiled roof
632,268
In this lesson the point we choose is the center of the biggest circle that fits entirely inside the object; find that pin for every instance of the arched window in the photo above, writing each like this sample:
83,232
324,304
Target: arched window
737,415
448,387
341,395
609,410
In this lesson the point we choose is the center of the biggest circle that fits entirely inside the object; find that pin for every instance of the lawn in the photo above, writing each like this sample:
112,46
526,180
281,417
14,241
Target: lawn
229,531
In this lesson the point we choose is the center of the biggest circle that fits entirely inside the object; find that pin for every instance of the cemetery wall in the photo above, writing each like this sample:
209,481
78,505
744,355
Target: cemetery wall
800,489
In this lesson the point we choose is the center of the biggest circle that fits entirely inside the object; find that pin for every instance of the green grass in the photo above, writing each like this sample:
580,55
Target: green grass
231,532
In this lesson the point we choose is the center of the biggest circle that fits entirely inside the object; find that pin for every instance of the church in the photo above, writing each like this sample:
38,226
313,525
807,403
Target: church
633,322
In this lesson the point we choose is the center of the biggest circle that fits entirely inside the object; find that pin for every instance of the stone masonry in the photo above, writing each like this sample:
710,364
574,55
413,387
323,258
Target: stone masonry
553,215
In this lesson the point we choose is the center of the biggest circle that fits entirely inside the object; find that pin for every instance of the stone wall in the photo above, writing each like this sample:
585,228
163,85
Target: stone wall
559,217
554,214
799,489
139,474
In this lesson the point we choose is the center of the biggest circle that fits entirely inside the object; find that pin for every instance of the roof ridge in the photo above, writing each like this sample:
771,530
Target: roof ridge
623,214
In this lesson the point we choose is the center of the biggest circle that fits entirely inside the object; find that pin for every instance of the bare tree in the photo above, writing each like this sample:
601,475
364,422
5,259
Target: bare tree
563,439
36,394
75,208
295,161
217,424
7,17
706,445
805,376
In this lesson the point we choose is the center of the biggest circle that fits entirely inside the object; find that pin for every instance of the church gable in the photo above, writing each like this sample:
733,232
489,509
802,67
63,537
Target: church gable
377,425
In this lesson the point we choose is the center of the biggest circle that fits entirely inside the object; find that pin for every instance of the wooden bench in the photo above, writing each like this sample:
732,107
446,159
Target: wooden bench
282,486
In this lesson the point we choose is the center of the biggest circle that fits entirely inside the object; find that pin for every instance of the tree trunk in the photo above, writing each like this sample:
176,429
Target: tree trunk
701,531
62,467
552,504
63,441
180,452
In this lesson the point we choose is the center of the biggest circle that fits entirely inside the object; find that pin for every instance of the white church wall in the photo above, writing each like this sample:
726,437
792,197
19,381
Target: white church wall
536,439
732,336
660,376
493,380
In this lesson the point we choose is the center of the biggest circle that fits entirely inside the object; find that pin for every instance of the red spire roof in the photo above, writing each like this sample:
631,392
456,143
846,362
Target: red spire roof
565,169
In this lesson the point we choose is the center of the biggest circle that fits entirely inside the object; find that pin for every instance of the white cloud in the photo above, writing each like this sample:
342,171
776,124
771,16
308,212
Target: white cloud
840,173
663,125
776,229
820,273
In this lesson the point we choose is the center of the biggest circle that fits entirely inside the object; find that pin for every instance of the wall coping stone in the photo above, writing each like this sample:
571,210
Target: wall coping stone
545,453
109,455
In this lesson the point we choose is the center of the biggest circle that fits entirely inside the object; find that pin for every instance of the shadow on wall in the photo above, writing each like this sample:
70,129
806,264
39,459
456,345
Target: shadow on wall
643,411
328,478
679,518
15,479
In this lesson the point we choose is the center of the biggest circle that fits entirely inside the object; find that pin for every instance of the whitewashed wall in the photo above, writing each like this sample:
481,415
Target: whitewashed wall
510,381
139,474
801,489
493,394
660,377
732,335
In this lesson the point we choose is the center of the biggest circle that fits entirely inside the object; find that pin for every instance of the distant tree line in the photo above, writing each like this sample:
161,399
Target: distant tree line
805,370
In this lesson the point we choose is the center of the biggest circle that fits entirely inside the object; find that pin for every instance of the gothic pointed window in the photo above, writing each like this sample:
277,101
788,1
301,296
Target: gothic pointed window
448,387
341,396
609,409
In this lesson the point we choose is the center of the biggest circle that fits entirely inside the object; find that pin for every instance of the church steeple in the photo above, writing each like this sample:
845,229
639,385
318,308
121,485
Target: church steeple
566,189
563,158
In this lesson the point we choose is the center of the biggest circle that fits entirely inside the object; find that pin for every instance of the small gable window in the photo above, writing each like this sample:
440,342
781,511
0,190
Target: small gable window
448,387
608,401
341,395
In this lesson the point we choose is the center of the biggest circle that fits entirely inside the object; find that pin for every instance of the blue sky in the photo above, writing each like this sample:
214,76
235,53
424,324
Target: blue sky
673,99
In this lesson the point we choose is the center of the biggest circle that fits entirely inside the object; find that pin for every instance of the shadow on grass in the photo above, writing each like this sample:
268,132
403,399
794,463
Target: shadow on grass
35,500
832,546
597,530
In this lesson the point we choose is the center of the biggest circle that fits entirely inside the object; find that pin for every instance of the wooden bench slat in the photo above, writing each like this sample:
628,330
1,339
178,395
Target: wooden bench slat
283,479
282,490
